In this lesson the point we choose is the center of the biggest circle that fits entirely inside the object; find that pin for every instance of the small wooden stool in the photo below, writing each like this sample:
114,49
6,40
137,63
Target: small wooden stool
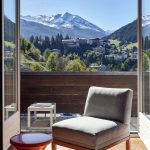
31,141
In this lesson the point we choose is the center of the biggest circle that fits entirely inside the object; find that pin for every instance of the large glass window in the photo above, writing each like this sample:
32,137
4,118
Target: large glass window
10,58
78,36
146,57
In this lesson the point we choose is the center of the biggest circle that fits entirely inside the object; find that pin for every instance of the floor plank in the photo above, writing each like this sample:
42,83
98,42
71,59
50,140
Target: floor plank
136,144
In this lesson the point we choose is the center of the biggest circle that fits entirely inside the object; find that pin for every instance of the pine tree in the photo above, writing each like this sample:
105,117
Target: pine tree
67,36
32,39
36,42
23,46
53,42
46,43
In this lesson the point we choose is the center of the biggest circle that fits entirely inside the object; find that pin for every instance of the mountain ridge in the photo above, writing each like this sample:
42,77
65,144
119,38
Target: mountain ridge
77,27
127,33
66,23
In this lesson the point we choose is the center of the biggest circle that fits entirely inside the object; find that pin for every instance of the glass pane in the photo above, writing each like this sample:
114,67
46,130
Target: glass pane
146,56
10,56
78,35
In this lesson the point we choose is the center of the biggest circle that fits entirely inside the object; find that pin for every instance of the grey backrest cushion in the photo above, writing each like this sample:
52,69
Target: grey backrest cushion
109,103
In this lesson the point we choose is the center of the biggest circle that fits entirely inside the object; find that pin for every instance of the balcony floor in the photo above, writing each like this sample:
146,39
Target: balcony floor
44,122
136,144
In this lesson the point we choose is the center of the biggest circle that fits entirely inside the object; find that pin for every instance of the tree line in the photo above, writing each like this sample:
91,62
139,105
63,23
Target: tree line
146,43
34,60
43,56
49,43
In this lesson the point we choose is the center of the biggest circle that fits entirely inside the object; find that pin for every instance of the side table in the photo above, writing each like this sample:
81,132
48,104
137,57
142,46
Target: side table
42,107
31,141
10,108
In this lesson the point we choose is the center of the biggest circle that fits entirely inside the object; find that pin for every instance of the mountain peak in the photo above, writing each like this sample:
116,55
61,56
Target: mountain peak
58,15
69,23
147,17
67,20
146,20
67,14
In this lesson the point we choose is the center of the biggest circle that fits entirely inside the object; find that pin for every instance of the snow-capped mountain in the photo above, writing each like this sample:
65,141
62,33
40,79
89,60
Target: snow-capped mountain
145,20
146,25
66,23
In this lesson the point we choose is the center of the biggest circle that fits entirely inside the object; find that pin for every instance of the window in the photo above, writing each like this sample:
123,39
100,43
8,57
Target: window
10,57
10,71
146,57
78,36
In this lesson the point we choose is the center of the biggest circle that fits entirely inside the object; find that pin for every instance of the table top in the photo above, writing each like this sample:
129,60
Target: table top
13,105
31,139
40,105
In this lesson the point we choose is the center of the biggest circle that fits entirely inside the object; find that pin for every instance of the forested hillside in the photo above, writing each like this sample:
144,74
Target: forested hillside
52,54
9,30
127,33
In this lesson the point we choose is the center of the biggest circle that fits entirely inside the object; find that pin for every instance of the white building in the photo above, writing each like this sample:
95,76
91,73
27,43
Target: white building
133,56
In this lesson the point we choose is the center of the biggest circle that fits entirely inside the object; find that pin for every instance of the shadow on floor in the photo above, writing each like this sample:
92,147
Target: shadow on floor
44,121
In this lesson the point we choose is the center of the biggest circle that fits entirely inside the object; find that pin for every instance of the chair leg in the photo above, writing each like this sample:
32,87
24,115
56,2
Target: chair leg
53,146
128,144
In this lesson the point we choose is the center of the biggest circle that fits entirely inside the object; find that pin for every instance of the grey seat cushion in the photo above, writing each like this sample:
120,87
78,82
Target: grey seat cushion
90,132
109,103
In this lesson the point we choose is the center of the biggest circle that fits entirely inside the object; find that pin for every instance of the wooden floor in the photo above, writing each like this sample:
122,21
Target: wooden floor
136,144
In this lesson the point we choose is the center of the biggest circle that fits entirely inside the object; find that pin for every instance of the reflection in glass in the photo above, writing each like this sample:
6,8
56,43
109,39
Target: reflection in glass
10,56
146,57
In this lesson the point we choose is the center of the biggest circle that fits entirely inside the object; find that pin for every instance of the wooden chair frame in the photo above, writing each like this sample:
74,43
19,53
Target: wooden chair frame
76,147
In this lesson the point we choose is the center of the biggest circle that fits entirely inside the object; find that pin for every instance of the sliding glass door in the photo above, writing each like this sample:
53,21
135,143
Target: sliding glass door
144,63
10,61
11,72
146,58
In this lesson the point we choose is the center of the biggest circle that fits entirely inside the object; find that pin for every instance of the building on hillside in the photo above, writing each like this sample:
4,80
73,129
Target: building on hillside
56,50
93,41
8,55
99,48
81,40
71,42
99,67
117,57
133,56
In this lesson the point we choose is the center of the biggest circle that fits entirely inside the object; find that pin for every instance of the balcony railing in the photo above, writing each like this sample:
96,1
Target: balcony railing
69,90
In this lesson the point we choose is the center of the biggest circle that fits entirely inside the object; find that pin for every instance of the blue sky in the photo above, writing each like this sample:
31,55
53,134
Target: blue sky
107,14
146,7
9,9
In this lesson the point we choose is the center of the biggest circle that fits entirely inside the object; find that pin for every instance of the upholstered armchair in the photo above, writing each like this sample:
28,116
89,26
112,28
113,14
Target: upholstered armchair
105,123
